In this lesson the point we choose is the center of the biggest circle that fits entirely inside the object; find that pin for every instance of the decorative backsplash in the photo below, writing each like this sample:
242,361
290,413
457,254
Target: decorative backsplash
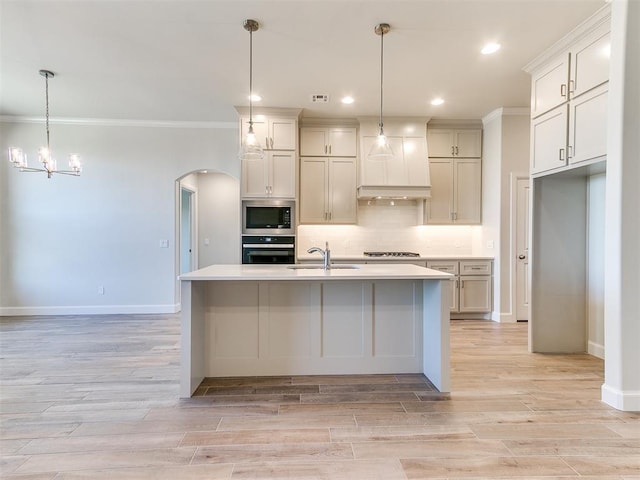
386,227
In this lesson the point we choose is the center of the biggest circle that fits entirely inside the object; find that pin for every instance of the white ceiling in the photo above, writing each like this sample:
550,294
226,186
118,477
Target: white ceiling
187,60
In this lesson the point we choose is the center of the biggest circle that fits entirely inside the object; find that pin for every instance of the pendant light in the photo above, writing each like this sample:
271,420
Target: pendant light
381,150
18,158
250,148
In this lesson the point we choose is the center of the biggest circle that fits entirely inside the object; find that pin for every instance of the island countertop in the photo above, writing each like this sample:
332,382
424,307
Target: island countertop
255,272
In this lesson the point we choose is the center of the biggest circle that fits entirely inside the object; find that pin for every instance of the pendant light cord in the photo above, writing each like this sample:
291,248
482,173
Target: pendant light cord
46,94
381,75
250,78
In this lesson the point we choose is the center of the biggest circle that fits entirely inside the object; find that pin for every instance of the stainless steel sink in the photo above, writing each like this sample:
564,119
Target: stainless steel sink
321,267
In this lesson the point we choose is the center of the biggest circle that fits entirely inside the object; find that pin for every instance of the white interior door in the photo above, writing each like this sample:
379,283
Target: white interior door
187,225
522,249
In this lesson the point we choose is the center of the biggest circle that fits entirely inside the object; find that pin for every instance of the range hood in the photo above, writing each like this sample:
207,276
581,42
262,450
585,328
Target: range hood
406,175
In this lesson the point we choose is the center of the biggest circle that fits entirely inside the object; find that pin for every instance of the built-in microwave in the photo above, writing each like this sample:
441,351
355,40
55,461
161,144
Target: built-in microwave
268,217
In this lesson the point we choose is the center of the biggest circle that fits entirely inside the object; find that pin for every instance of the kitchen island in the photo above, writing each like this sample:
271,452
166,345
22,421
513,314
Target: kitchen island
264,320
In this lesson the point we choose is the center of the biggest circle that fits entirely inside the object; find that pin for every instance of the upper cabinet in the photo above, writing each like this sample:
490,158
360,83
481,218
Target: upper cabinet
454,143
275,175
273,133
328,142
569,100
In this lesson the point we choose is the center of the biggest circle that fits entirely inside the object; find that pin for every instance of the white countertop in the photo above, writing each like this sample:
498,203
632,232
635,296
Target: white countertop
304,257
281,272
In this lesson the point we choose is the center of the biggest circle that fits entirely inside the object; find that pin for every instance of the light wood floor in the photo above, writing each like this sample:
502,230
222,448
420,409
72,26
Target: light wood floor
97,397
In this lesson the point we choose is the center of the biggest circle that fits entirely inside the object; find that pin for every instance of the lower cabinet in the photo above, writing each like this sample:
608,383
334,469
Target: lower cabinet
472,286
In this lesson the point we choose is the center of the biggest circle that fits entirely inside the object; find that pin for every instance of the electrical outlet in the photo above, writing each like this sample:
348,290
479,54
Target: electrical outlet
490,244
164,243
100,290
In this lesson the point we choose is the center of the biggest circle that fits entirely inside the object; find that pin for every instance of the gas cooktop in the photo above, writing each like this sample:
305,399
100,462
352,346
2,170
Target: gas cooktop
391,254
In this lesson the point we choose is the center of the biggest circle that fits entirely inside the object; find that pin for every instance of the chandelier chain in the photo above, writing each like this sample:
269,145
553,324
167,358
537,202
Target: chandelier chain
46,94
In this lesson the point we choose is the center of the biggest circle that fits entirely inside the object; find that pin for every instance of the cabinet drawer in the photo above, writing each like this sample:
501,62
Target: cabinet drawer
447,266
475,267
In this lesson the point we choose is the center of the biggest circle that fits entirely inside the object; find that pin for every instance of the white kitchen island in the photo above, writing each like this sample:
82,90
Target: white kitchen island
263,320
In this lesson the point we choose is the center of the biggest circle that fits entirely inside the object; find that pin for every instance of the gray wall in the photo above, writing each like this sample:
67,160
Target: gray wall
62,238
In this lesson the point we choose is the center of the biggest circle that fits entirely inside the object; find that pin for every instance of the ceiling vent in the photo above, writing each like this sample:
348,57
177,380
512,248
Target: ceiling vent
320,98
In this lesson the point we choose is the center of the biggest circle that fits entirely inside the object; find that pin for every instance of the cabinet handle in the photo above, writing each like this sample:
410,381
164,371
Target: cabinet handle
329,149
325,149
266,142
563,90
455,216
457,153
461,283
272,142
561,158
453,150
569,151
572,86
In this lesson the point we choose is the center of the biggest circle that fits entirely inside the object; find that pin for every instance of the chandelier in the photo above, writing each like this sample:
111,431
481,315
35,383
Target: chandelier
18,158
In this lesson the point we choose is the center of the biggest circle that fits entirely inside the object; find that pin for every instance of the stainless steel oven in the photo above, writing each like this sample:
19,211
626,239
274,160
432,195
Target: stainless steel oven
266,249
268,217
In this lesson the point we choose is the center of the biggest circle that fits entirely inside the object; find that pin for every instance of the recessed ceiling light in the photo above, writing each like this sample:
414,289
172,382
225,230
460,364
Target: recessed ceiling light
490,48
348,100
255,97
437,101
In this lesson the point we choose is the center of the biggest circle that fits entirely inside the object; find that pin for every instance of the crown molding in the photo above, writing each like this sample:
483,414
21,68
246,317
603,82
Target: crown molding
110,122
504,112
601,17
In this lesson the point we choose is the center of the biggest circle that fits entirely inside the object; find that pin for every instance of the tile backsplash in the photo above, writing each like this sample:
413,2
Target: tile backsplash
385,227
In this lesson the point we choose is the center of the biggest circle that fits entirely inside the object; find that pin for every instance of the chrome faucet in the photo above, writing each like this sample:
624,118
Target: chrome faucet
326,255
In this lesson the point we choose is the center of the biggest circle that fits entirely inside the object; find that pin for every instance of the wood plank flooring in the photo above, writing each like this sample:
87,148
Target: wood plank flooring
96,397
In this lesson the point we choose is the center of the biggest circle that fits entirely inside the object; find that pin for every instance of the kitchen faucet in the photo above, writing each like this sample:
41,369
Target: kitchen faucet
326,255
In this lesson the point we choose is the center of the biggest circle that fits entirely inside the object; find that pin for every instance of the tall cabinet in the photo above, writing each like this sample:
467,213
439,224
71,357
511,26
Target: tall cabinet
328,175
456,176
569,86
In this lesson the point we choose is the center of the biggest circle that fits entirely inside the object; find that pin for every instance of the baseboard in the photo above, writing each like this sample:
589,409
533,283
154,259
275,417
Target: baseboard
88,310
504,317
595,349
625,401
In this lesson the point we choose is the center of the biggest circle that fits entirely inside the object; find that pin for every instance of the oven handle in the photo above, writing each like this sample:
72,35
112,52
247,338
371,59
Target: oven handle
271,245
269,254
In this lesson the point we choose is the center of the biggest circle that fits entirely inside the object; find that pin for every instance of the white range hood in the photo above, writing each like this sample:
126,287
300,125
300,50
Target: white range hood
406,175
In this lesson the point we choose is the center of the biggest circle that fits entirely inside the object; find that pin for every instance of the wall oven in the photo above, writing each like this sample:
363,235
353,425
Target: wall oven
268,217
265,249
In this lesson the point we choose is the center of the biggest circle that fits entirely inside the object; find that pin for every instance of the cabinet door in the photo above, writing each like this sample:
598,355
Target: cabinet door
468,143
588,125
590,62
549,140
467,191
475,294
283,174
549,86
255,178
439,207
282,134
342,142
342,190
416,161
441,142
313,142
260,128
313,190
